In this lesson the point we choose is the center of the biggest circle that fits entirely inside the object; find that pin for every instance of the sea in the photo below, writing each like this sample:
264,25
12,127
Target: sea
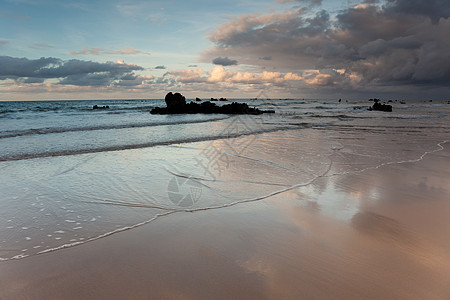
71,174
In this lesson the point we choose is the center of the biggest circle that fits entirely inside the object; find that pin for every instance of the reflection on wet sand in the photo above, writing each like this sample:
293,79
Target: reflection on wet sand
341,229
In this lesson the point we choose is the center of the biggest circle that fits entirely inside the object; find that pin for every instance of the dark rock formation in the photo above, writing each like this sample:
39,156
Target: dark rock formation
175,100
223,99
198,99
176,104
380,107
100,107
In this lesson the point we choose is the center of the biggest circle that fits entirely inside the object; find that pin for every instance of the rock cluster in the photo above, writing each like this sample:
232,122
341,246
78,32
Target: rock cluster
381,107
176,104
100,107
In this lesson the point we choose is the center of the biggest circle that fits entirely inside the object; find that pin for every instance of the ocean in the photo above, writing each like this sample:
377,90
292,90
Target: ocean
71,175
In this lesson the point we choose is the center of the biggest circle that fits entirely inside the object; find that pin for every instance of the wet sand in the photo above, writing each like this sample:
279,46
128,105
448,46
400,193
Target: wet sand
383,233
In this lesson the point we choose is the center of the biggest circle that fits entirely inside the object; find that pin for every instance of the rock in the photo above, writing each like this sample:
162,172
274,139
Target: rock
198,99
213,99
100,107
175,100
176,104
380,107
223,99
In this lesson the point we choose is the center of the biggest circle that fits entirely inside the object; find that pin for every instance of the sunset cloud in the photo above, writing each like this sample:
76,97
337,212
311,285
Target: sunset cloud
221,75
395,42
292,47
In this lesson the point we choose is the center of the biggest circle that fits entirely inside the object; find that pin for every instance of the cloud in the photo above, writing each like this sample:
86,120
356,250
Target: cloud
41,46
220,75
3,43
100,51
188,75
248,26
69,72
305,2
434,9
160,68
377,43
224,61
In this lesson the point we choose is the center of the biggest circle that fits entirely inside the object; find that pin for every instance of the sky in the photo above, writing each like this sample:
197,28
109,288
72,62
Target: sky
322,49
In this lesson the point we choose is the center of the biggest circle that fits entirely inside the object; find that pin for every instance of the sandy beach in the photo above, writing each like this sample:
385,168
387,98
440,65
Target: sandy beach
275,149
278,149
351,228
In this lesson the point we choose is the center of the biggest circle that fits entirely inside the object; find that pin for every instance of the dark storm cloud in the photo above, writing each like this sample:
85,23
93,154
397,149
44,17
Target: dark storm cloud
395,42
224,61
74,72
11,67
434,9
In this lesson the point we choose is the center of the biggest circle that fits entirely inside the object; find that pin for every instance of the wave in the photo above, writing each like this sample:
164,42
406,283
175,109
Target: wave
325,107
102,127
437,116
8,111
74,106
340,116
24,156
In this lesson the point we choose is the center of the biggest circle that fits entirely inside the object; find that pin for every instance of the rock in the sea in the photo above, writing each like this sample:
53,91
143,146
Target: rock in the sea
176,104
100,107
175,100
380,107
